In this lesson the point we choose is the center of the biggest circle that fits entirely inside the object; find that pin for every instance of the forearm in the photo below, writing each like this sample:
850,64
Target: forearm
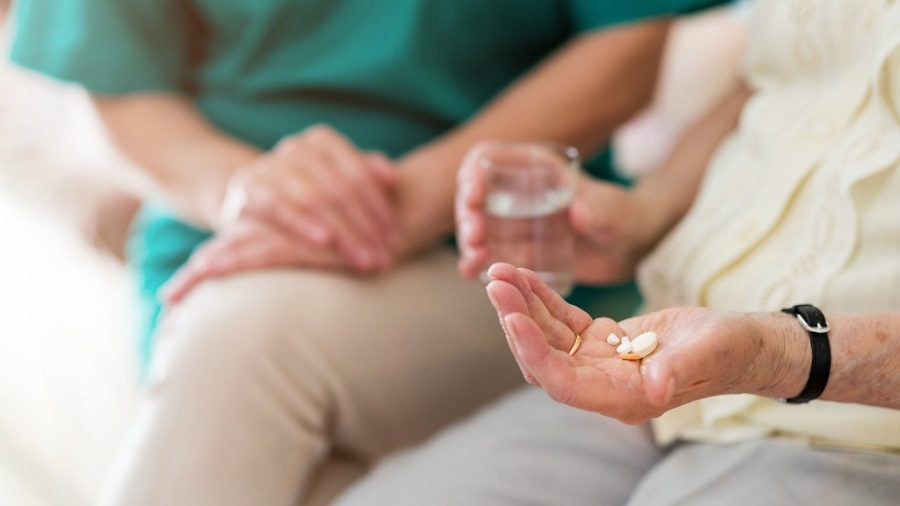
577,97
864,365
189,161
670,191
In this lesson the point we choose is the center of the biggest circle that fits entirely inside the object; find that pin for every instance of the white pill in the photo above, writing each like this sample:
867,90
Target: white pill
625,347
644,344
612,339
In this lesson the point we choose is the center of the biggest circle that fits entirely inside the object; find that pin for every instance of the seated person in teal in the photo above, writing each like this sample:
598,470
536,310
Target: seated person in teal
317,142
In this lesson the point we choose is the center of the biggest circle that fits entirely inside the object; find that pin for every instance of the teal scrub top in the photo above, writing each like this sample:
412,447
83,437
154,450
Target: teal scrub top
389,74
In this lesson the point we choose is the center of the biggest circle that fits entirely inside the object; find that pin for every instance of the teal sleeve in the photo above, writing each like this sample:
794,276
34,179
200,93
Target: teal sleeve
159,245
586,15
108,46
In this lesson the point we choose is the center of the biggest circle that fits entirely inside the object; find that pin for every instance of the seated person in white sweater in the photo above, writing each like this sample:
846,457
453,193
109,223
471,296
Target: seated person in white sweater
800,204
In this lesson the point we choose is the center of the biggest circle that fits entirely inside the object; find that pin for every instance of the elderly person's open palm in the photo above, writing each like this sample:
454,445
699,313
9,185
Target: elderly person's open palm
701,352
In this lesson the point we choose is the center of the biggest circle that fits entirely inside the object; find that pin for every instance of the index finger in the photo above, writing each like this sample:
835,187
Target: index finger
553,369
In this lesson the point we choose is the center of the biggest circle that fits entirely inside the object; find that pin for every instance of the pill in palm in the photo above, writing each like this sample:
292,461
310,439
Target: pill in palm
634,349
643,345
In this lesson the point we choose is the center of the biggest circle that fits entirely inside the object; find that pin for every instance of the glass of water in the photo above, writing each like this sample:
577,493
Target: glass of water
529,189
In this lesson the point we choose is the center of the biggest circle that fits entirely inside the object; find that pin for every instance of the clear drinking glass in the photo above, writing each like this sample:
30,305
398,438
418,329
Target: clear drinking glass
529,189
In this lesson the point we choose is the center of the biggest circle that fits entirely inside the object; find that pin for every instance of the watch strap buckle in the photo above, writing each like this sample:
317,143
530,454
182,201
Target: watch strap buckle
818,329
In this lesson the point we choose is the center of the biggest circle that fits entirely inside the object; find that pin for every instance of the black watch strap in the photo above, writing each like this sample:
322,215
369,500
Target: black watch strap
813,321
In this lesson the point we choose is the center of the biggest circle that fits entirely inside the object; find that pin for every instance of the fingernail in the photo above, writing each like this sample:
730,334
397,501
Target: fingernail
492,270
579,216
489,289
511,326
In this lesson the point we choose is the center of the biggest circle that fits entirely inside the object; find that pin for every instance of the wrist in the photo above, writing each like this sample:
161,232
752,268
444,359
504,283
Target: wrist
654,215
667,198
424,205
781,366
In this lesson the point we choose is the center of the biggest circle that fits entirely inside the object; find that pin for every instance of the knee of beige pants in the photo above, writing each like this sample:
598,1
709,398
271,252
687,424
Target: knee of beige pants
259,375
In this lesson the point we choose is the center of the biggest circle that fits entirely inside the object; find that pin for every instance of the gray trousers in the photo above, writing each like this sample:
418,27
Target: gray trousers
528,450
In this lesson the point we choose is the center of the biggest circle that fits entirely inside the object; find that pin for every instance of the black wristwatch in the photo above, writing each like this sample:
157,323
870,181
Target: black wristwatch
813,321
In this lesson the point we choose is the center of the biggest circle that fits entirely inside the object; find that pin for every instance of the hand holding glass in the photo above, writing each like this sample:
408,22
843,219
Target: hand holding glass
529,189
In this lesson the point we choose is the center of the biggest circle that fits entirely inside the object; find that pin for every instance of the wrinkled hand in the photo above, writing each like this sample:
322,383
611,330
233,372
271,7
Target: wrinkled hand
247,245
701,353
610,222
319,189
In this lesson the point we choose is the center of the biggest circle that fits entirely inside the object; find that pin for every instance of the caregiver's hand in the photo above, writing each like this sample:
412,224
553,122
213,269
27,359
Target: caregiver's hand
615,226
247,245
701,353
317,188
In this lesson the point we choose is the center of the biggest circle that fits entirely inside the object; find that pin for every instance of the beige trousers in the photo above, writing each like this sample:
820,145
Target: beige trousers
281,387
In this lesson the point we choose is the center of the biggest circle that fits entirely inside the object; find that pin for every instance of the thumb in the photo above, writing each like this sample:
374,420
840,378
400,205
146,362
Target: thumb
590,222
684,373
660,383
383,169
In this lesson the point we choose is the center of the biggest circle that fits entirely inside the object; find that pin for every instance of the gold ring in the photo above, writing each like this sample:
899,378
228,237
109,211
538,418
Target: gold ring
576,346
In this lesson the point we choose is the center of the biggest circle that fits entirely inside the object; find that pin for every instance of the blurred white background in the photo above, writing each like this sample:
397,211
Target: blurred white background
67,390
68,386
